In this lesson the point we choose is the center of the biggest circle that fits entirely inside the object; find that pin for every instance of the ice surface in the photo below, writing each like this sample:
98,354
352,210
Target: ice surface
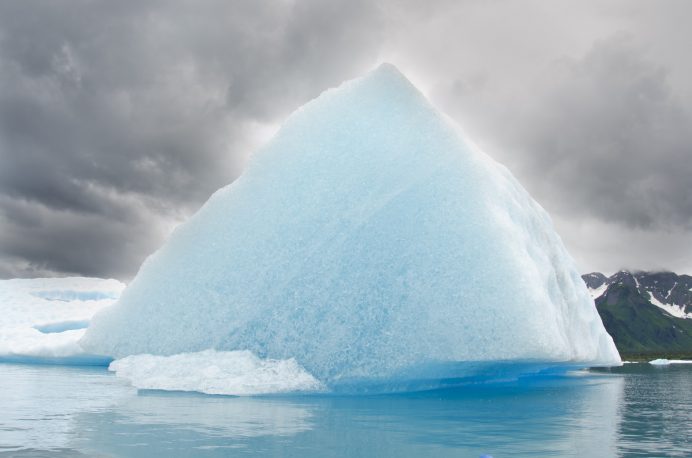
215,372
42,319
369,240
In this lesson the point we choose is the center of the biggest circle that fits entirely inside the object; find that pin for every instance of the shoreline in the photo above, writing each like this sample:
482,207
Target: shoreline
646,357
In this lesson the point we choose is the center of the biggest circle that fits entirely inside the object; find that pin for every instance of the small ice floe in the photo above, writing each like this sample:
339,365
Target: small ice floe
666,362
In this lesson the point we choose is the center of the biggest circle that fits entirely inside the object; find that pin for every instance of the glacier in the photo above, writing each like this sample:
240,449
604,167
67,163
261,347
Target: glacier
373,244
42,319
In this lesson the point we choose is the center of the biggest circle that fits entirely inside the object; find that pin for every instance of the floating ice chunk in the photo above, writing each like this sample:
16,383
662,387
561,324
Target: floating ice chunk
237,373
368,240
666,362
42,319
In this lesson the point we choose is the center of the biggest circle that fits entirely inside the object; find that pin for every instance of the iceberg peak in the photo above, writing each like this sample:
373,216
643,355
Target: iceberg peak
388,72
371,243
386,82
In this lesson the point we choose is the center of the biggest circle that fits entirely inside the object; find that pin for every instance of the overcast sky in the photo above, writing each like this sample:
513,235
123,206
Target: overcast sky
119,119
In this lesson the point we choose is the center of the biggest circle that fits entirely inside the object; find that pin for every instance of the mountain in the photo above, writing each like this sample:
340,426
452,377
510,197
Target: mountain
646,313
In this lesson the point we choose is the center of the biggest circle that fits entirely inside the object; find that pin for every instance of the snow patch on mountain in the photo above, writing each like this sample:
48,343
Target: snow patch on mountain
665,290
675,310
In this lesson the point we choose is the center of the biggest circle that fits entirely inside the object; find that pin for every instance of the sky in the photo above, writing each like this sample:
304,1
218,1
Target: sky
119,119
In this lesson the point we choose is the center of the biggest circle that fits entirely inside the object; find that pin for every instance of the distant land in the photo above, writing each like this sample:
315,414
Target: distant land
648,314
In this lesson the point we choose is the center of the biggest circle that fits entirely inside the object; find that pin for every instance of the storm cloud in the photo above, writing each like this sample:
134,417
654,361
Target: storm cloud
119,119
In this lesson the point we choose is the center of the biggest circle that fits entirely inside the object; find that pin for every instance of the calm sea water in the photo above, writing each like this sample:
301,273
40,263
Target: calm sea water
635,410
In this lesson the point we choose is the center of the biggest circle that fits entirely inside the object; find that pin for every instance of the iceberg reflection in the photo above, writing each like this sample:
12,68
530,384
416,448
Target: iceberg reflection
549,416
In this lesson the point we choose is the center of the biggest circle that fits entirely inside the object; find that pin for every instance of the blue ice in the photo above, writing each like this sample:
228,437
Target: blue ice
373,243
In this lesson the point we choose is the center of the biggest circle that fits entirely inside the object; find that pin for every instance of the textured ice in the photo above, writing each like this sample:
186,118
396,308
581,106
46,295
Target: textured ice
369,241
215,372
42,319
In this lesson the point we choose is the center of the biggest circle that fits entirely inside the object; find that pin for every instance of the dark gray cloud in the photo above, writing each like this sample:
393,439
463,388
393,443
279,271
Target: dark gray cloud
606,129
118,119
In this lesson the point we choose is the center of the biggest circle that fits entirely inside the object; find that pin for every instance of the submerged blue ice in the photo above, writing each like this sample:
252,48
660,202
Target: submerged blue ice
370,241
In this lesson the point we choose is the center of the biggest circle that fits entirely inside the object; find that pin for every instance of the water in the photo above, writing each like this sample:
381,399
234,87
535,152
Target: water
635,410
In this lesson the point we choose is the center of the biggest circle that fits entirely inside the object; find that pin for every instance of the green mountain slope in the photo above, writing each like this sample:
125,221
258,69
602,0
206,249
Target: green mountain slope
639,327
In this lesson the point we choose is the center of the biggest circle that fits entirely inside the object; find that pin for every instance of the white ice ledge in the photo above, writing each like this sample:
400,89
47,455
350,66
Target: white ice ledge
238,373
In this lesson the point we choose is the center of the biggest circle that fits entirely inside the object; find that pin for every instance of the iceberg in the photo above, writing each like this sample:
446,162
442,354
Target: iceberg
42,319
372,243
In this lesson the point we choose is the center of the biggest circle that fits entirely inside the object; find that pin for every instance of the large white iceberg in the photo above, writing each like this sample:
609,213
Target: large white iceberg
370,242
